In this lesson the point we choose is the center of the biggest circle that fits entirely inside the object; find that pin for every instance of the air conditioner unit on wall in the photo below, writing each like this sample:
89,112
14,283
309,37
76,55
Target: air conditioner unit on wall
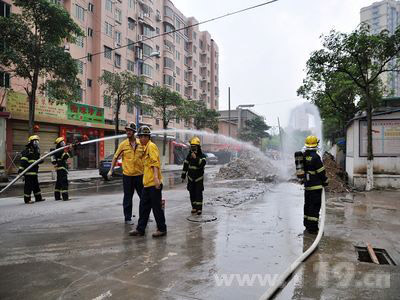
140,118
141,37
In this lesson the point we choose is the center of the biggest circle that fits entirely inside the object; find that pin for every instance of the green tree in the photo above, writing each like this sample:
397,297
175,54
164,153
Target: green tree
362,58
254,130
168,105
200,115
32,47
121,88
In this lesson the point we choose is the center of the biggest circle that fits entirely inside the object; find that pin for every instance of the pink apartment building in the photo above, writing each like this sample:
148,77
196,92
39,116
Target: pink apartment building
185,61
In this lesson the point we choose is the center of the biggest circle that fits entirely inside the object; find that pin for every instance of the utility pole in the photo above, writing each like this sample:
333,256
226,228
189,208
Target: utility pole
280,135
229,111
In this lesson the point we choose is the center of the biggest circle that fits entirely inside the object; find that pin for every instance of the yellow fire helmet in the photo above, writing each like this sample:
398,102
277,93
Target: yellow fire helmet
33,138
195,141
58,140
311,141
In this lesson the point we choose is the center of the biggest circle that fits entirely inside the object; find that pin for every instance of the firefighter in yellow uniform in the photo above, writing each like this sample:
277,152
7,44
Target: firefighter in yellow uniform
193,167
152,182
59,160
314,181
132,166
29,156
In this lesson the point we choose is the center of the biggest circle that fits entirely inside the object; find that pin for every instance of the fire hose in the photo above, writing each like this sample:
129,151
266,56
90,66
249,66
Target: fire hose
282,279
55,151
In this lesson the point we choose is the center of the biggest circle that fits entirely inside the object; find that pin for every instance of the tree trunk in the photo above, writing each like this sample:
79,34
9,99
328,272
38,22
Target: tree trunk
116,132
32,100
164,139
370,159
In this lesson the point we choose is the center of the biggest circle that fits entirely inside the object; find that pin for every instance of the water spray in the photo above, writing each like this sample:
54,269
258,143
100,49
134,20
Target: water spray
55,151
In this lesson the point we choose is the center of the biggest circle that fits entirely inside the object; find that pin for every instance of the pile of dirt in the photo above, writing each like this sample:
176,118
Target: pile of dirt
248,166
337,182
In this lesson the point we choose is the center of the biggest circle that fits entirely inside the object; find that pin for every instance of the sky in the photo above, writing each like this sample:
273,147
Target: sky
263,52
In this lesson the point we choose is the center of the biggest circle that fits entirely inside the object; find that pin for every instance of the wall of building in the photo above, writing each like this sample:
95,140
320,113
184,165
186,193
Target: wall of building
385,167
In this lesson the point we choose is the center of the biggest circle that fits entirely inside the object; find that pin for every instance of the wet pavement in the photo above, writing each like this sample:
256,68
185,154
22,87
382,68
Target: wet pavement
80,249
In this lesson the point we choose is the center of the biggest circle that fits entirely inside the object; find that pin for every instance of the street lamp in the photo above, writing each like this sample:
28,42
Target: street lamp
239,109
152,54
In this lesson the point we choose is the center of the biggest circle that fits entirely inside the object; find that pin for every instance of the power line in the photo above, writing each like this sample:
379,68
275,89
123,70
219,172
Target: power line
184,28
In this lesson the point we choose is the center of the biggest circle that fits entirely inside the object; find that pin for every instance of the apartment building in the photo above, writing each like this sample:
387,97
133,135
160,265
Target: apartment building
133,35
384,15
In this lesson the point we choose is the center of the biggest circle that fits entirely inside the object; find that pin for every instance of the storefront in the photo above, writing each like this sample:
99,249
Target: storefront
76,122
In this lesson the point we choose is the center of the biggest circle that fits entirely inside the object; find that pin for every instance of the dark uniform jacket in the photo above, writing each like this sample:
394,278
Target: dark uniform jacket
194,167
28,157
315,177
60,160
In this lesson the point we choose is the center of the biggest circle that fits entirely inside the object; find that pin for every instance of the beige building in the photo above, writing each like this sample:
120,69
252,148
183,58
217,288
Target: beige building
384,15
185,61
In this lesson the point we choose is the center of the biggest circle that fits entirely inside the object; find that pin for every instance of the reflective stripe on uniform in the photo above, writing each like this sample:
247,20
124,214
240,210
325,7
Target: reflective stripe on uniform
320,169
309,158
185,161
312,188
201,160
56,190
30,173
31,161
24,158
193,167
311,172
61,168
197,203
37,194
26,195
309,218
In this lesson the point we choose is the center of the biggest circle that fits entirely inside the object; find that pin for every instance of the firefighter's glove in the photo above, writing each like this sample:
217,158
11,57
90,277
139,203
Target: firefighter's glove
325,183
183,176
109,174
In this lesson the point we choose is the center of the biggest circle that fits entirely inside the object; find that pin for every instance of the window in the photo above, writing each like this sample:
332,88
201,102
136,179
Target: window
147,31
168,27
169,45
178,39
194,64
58,2
194,78
194,35
80,67
157,67
131,23
178,89
89,57
169,63
107,52
131,3
178,55
90,7
157,30
130,65
168,12
147,70
157,121
108,29
201,45
178,24
129,108
118,15
169,80
5,9
4,80
178,71
89,82
131,45
109,5
118,37
79,12
194,49
80,97
117,60
146,89
147,50
177,122
194,93
89,32
107,101
79,41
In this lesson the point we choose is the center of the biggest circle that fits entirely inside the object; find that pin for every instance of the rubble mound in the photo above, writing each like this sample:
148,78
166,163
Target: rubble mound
248,166
336,176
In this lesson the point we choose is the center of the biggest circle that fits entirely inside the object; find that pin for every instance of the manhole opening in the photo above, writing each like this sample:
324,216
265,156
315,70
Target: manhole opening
381,254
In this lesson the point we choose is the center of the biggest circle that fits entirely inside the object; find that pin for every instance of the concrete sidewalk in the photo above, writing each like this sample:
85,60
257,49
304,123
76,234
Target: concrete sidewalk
50,177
